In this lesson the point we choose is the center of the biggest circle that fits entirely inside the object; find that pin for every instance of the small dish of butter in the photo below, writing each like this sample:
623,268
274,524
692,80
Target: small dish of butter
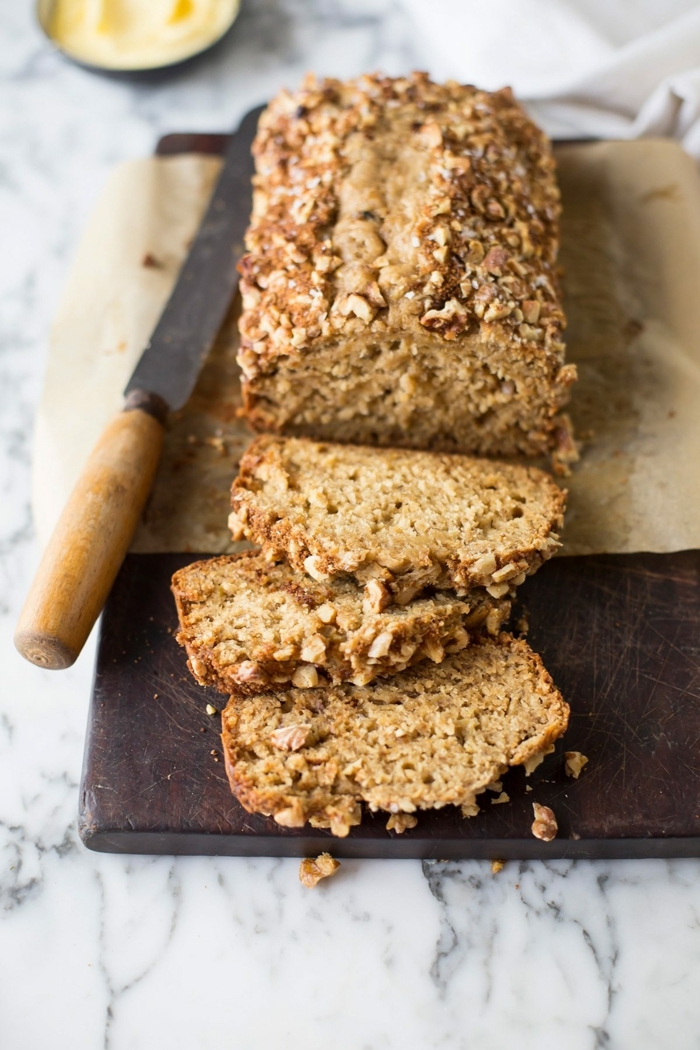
135,35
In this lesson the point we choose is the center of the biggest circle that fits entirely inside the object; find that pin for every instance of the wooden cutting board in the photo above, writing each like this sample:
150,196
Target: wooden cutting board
619,634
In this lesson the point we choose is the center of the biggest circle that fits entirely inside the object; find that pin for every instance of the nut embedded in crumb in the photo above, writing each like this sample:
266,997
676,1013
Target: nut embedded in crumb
290,738
377,596
312,871
575,762
400,822
545,825
305,677
496,866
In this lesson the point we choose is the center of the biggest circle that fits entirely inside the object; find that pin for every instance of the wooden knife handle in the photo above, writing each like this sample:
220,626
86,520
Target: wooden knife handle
92,537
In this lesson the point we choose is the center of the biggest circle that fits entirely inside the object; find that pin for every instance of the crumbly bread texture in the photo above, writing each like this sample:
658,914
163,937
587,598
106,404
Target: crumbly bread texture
249,626
428,738
400,284
405,519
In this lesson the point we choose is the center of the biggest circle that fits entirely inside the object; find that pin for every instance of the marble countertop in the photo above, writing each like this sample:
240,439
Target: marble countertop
129,953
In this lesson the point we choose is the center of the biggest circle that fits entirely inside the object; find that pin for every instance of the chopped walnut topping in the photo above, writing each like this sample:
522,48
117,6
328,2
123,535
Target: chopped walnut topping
236,523
357,305
377,596
574,763
290,738
314,650
381,645
498,590
312,567
488,211
545,825
305,677
400,822
312,871
326,613
250,671
291,817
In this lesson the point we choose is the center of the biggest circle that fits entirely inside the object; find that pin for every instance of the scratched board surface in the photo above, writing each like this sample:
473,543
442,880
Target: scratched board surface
620,635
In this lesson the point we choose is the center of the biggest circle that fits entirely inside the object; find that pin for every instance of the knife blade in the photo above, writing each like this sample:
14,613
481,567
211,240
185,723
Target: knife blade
97,524
196,309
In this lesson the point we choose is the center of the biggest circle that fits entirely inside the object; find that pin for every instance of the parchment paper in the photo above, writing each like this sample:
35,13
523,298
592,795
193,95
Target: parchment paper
631,256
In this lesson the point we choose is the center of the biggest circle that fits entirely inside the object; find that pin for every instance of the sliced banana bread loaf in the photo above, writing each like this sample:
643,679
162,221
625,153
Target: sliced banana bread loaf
250,626
400,283
406,519
430,737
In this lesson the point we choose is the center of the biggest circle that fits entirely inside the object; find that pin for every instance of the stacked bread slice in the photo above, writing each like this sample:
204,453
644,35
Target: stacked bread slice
361,643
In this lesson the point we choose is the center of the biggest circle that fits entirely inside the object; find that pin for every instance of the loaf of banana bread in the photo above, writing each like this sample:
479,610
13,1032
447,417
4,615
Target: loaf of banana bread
400,282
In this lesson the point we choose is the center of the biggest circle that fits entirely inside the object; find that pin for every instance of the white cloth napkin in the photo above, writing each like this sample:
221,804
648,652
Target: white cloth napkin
583,68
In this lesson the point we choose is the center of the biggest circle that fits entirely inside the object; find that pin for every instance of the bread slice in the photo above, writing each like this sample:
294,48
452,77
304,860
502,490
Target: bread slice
407,519
430,737
400,284
249,626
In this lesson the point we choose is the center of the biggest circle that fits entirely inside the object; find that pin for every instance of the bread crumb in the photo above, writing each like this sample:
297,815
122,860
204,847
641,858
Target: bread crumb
531,764
545,825
496,866
312,871
503,797
400,822
211,710
150,262
575,762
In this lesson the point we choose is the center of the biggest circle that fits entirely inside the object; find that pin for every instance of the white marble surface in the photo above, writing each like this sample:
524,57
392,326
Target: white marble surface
140,953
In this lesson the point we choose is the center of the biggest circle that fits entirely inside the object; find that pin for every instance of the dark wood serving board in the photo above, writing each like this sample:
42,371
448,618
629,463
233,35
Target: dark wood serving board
619,634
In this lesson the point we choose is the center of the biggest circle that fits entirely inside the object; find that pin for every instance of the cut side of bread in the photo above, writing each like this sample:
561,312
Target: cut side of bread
407,519
249,626
430,737
400,282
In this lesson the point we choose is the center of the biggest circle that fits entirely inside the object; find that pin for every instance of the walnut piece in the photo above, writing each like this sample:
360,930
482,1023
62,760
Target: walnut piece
290,738
377,597
575,762
400,822
496,866
312,871
305,677
544,826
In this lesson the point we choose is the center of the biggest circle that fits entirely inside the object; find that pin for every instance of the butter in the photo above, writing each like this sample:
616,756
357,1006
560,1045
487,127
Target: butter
138,34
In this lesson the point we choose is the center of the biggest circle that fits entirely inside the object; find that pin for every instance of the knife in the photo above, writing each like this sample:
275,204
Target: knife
94,532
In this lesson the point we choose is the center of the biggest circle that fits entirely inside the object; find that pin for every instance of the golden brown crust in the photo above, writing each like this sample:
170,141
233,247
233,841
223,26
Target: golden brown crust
280,480
402,208
412,742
